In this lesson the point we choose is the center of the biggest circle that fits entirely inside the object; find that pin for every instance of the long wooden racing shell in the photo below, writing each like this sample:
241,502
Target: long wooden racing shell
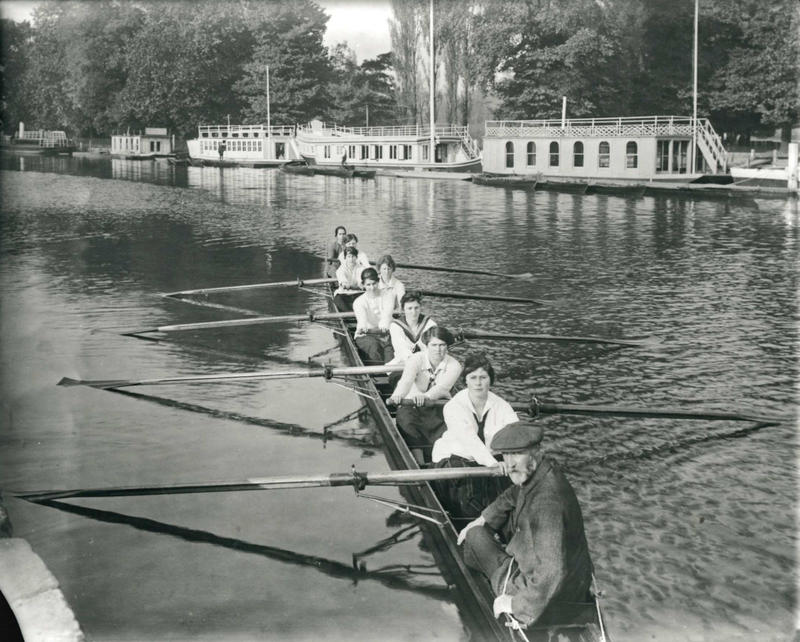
472,594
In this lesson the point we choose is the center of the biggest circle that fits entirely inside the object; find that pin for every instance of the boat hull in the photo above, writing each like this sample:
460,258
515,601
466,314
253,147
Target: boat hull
473,594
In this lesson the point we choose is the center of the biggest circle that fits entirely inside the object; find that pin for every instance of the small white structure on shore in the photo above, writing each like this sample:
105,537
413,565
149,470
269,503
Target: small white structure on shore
155,142
633,148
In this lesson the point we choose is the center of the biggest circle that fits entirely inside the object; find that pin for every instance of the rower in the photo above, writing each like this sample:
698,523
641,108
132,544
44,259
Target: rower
386,267
373,311
543,572
406,331
335,248
428,375
348,276
473,416
351,240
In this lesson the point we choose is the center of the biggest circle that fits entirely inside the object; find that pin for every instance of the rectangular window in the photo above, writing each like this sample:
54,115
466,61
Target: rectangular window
662,156
364,151
351,151
425,152
680,149
393,152
280,150
406,152
326,151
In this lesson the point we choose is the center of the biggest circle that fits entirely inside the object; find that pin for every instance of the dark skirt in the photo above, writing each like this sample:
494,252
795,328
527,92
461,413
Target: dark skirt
421,426
465,499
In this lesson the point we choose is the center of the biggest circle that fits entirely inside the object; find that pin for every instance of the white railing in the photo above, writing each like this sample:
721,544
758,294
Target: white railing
711,145
238,131
45,138
593,127
397,131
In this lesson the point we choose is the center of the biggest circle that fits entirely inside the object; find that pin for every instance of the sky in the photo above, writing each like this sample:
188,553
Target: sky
363,24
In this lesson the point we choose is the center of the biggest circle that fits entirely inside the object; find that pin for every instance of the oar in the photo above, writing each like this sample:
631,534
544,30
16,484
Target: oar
481,297
229,323
251,286
327,372
276,482
471,333
181,296
435,268
548,408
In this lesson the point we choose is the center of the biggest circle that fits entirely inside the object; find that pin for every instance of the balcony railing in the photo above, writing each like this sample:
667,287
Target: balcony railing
593,127
244,131
397,131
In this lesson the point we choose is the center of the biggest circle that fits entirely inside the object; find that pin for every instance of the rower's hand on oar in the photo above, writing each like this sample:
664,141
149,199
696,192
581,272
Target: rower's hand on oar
394,400
463,534
419,400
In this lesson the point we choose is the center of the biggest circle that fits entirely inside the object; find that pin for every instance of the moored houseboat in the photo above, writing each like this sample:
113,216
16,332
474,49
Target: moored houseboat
37,141
249,145
155,142
411,147
641,149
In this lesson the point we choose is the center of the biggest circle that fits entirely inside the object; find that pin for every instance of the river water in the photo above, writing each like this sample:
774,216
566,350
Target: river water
691,524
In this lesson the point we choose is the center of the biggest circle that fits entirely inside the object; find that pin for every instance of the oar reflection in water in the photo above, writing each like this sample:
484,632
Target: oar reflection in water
398,581
368,440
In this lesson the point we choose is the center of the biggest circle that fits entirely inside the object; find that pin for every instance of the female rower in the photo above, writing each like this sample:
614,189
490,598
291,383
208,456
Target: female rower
406,332
373,311
351,240
335,248
473,416
349,277
428,375
386,267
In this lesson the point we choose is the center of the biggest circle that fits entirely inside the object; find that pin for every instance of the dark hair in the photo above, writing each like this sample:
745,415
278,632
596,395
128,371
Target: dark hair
369,273
410,296
438,332
336,231
386,258
350,237
474,361
350,250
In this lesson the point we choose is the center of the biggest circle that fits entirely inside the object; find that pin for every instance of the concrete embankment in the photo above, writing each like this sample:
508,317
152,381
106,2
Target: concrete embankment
32,593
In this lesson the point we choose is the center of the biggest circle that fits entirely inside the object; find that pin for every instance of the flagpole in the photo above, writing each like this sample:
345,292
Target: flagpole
269,126
432,157
694,90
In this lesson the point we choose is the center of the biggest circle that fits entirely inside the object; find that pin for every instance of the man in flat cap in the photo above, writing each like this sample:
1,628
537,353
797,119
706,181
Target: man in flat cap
529,542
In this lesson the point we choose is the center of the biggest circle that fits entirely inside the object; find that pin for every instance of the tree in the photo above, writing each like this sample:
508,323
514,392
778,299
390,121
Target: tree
289,40
406,34
756,84
14,52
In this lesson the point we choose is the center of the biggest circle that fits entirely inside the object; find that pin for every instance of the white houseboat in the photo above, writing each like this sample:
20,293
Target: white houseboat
411,147
156,142
248,145
37,141
649,148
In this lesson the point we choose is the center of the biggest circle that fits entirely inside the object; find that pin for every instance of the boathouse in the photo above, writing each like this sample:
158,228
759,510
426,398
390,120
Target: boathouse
155,142
632,148
394,147
255,145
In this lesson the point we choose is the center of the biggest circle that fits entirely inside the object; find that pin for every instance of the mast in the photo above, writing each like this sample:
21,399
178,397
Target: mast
432,157
269,127
694,90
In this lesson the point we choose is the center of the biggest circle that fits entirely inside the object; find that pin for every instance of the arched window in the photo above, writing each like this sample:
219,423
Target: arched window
554,154
509,154
631,155
603,155
577,154
531,154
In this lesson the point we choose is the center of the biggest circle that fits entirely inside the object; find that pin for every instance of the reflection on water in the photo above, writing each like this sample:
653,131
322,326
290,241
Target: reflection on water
690,523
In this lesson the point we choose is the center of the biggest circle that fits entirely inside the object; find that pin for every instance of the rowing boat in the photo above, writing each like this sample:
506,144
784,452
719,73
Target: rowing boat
473,595
340,171
297,167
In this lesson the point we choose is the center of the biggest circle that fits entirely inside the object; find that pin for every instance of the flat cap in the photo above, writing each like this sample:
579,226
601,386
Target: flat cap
516,437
